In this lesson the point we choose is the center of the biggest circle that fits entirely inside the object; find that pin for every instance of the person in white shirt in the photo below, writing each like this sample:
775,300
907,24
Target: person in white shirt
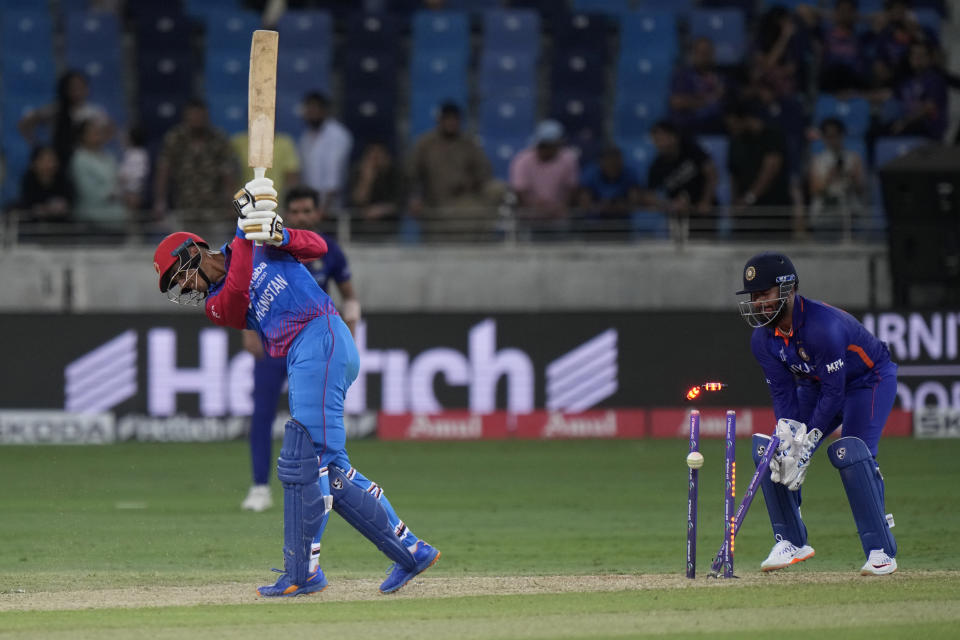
325,149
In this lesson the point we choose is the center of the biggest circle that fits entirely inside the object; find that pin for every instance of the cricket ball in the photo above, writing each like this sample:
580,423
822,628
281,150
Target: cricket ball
695,460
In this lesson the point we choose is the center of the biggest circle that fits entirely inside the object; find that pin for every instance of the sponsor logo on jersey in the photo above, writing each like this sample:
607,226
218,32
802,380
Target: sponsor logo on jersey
835,366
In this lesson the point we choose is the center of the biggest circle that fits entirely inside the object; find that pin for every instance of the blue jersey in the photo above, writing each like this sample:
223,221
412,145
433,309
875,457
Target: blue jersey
333,265
827,353
269,290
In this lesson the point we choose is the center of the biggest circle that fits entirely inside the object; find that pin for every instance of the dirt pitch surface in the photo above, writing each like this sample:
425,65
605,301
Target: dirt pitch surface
424,587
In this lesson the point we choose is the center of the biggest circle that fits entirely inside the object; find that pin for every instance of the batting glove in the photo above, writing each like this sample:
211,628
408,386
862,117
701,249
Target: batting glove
257,218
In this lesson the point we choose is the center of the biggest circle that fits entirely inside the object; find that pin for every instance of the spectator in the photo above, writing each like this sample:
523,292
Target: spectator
777,65
683,177
285,172
609,193
843,65
923,97
71,109
46,194
699,90
544,177
837,180
134,169
325,149
196,169
450,177
96,178
758,173
895,31
378,192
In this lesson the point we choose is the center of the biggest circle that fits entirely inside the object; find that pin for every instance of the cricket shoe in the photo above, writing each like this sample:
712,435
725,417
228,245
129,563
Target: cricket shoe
425,557
283,588
258,498
878,564
784,554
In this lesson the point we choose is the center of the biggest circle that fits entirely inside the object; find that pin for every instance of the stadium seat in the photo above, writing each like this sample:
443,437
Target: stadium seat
441,31
500,151
717,148
372,33
639,152
159,112
92,32
162,30
104,74
580,114
26,73
579,71
26,33
642,73
507,74
16,106
613,8
310,30
582,32
854,113
435,69
371,70
851,143
726,28
371,117
171,72
649,33
425,103
31,5
226,71
303,70
228,111
890,148
634,115
507,117
515,32
289,113
677,7
200,8
230,30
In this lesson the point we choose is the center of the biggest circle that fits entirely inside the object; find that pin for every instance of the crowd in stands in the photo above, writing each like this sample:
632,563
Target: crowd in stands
592,118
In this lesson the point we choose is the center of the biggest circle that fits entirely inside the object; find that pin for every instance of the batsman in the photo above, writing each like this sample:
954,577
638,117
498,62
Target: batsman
824,370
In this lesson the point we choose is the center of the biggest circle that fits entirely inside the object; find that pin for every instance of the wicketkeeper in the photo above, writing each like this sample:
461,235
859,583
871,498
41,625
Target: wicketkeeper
824,370
266,287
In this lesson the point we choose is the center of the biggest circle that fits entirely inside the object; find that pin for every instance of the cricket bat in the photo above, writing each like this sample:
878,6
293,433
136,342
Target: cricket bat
262,100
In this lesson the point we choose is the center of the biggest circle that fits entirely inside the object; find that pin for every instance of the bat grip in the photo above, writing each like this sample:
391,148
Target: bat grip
259,172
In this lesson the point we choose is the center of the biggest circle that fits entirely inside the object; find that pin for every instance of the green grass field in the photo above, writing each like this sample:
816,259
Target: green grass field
539,540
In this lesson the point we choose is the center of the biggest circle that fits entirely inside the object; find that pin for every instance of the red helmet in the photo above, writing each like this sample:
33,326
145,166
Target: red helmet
167,254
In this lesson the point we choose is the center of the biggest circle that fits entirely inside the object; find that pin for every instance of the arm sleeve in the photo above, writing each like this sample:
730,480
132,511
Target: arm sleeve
783,387
228,307
831,348
305,246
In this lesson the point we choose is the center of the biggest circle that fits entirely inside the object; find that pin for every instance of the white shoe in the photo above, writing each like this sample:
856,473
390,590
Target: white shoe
878,564
258,498
784,554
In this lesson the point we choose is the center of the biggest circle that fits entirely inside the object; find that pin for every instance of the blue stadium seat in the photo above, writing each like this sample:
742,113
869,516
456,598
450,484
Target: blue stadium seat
104,74
432,69
166,72
26,32
162,28
200,8
16,106
424,105
614,8
511,31
580,114
890,148
649,33
371,70
634,115
582,32
678,7
115,104
578,71
159,112
289,114
92,32
305,30
16,158
507,117
226,71
852,143
642,73
303,70
441,31
726,28
507,74
471,6
27,73
500,151
372,33
230,30
549,10
27,5
371,117
717,147
228,111
866,7
854,113
929,19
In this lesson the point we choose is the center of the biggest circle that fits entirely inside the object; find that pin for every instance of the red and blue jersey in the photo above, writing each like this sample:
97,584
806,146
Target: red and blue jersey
810,370
268,289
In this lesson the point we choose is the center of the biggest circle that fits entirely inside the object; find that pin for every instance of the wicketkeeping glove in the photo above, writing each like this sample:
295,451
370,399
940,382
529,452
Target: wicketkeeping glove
794,476
257,218
786,432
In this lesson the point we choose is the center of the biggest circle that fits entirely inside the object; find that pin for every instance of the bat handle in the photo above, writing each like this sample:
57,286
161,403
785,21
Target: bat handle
259,172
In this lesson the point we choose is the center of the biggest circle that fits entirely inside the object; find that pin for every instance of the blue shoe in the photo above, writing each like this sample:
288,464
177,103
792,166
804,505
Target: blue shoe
425,555
284,588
